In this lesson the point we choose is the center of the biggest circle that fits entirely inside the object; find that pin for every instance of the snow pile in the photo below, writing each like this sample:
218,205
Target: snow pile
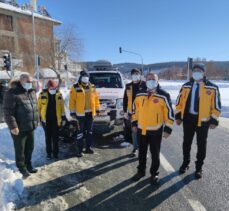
48,73
11,186
11,183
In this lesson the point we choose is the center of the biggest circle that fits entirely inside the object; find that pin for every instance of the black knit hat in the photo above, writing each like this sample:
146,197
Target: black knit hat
84,73
135,70
199,66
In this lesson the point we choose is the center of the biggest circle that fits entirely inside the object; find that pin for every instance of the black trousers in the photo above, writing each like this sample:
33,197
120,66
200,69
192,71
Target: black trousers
51,138
23,145
190,128
85,131
154,142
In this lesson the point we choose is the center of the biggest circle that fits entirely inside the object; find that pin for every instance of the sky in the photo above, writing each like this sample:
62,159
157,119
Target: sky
159,30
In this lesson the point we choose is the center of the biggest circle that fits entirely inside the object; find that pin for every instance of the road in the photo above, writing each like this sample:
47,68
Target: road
102,181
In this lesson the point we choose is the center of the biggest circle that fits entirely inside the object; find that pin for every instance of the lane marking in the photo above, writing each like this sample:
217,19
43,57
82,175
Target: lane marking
195,204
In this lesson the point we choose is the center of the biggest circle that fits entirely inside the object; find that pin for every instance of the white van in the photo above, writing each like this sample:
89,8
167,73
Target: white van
110,87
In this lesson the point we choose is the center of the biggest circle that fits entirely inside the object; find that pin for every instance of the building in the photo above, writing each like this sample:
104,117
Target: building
26,38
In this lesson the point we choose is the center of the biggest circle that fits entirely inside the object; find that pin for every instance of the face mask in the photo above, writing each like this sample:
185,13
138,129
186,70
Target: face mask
85,79
52,91
151,84
197,76
136,78
27,86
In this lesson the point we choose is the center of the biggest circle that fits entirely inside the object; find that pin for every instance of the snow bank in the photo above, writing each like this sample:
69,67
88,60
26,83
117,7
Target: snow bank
11,183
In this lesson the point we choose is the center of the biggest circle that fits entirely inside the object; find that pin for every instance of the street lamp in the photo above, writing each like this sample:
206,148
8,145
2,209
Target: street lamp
131,52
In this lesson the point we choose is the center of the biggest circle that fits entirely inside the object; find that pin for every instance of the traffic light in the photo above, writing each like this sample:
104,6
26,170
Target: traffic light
65,67
120,49
7,61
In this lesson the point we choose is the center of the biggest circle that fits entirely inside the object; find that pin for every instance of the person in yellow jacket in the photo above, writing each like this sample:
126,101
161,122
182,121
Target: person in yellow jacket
199,107
52,114
84,105
152,119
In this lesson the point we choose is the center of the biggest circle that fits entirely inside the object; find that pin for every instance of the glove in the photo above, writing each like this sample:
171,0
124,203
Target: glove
73,115
43,123
63,120
126,116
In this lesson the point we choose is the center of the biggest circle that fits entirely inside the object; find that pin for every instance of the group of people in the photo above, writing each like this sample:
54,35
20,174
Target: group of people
23,112
149,109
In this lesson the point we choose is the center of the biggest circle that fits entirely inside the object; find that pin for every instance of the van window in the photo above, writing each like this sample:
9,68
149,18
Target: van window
106,80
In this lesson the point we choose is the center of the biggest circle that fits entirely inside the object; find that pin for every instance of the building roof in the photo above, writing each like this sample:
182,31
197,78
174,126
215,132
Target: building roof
27,12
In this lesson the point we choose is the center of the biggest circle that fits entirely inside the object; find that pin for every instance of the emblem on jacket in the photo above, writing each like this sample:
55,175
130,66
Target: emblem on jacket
156,101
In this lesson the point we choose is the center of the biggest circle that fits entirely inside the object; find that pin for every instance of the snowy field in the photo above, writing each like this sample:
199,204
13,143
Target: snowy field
11,183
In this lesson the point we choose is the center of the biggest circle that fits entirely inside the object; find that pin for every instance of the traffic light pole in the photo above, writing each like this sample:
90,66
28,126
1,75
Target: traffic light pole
131,52
11,65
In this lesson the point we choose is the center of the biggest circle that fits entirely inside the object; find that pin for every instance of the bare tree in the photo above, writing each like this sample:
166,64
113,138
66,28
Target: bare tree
68,43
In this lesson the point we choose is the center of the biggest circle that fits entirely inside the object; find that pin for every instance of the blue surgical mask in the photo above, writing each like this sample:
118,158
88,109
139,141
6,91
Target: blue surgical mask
197,76
27,86
151,84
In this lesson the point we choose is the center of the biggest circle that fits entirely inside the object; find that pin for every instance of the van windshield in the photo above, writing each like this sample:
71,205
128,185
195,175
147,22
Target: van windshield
106,80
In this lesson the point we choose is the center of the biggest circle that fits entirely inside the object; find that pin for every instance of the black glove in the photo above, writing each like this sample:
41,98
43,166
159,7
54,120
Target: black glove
63,120
73,115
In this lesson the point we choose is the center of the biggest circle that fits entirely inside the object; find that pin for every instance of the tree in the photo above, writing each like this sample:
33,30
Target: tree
68,43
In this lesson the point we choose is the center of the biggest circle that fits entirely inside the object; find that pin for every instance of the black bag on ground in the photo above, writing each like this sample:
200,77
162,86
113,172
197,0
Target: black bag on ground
68,132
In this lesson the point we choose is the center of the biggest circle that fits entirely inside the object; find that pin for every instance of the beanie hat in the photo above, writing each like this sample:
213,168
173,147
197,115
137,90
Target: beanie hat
84,73
52,84
135,70
199,66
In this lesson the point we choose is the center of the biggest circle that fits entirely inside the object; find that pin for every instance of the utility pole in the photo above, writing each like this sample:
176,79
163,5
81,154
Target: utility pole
190,61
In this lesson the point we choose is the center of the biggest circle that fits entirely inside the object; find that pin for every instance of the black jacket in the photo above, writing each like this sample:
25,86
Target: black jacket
20,108
133,90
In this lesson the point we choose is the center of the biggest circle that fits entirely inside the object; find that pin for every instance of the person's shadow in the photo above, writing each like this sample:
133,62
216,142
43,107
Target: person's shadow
142,196
65,184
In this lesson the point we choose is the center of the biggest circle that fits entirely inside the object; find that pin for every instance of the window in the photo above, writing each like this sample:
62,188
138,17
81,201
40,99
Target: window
106,80
6,22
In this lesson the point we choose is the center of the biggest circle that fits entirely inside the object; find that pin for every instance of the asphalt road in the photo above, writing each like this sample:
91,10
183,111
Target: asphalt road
102,181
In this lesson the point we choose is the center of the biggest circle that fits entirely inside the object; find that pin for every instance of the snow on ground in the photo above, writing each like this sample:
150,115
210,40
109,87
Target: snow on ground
11,183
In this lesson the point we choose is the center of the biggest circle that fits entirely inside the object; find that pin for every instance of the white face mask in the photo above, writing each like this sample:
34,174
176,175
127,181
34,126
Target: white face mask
27,86
136,78
151,84
52,91
85,79
197,76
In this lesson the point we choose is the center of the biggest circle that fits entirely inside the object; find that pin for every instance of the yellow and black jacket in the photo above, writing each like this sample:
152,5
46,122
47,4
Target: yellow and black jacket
152,112
130,94
43,103
77,101
209,106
